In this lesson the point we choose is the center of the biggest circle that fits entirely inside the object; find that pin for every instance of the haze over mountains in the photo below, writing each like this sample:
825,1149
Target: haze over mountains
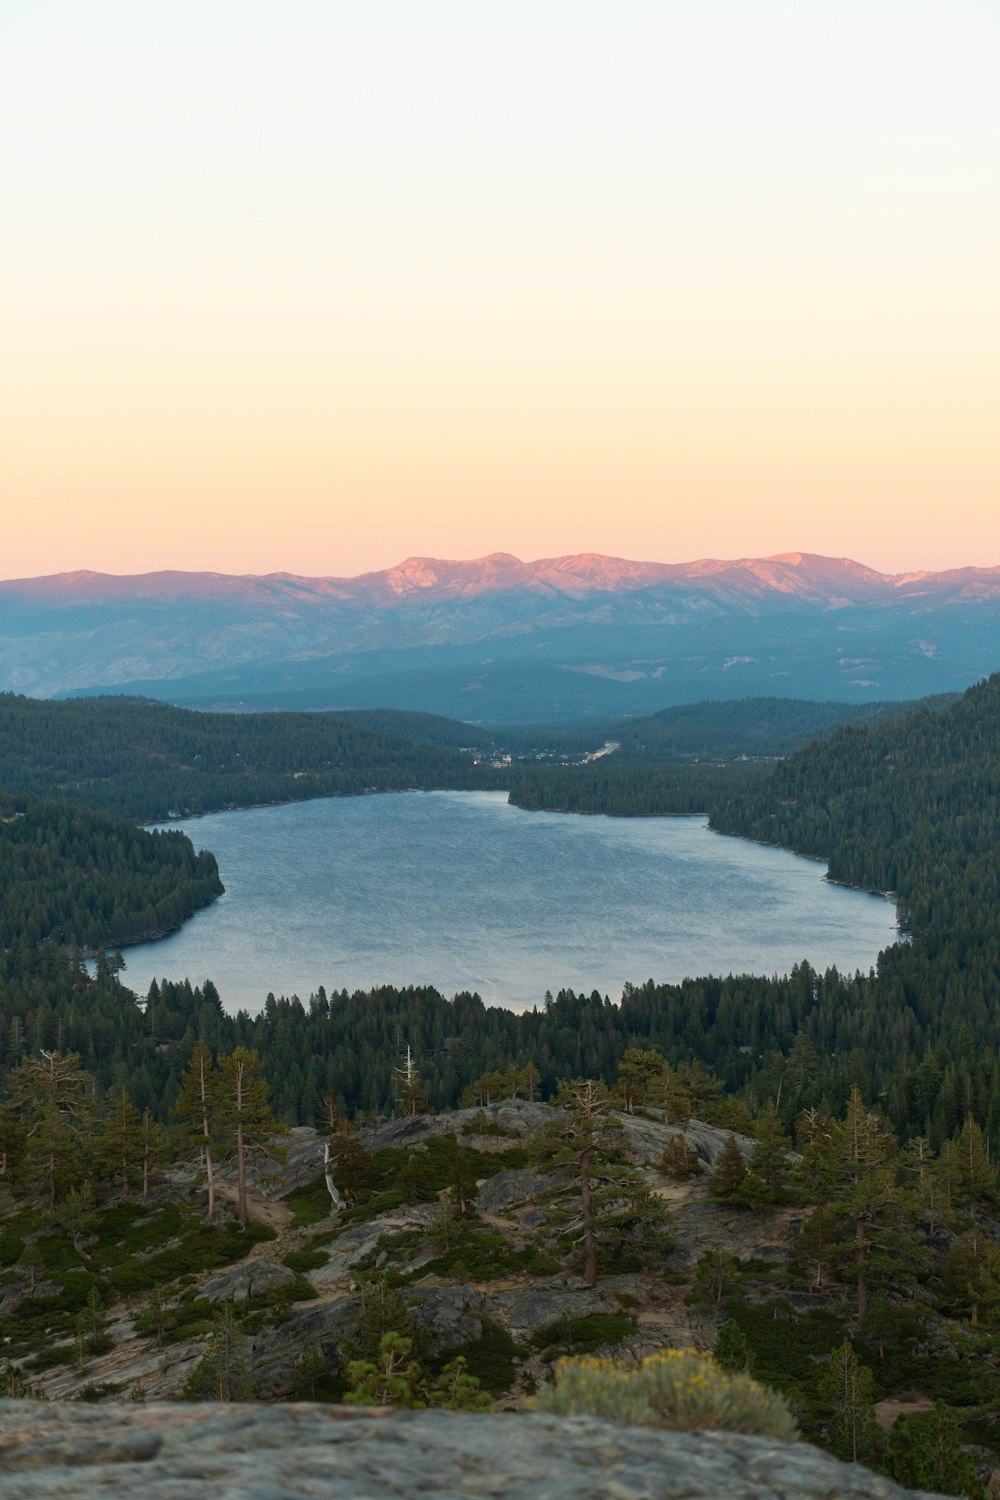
497,638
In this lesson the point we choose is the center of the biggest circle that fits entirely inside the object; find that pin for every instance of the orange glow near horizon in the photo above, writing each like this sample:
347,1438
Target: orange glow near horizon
293,288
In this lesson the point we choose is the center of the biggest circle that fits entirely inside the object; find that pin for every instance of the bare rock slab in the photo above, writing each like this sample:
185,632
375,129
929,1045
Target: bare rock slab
305,1452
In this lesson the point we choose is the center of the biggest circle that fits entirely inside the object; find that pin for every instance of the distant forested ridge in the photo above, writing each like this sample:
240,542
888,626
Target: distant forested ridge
420,729
150,761
688,759
80,879
771,727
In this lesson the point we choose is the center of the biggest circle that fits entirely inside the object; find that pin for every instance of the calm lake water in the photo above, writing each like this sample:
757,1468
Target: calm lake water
459,890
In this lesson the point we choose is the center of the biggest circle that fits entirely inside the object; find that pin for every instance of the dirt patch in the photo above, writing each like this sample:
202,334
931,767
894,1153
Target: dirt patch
909,1404
271,1211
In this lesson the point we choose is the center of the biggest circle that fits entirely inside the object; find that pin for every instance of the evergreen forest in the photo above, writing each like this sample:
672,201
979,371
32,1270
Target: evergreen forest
145,760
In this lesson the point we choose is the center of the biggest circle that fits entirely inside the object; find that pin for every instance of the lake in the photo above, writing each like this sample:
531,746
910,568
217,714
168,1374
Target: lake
462,891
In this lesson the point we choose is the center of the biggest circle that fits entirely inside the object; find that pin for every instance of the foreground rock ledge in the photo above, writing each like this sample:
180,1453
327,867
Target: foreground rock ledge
303,1452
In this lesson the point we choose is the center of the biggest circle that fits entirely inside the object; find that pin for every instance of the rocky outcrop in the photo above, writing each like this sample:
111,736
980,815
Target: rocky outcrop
299,1452
251,1279
447,1314
312,1328
648,1135
359,1240
704,1225
300,1161
513,1117
509,1189
540,1305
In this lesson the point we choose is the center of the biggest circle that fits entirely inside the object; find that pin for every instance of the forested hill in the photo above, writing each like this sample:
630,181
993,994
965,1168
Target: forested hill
771,727
911,806
688,759
149,761
80,879
420,729
713,728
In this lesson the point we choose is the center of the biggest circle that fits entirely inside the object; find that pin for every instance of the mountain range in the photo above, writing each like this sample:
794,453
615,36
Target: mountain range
497,638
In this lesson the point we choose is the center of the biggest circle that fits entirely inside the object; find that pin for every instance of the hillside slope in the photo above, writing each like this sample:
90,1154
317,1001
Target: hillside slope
151,761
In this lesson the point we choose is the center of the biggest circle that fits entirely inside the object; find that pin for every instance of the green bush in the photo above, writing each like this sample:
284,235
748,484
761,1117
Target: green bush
310,1204
485,1255
48,1359
677,1389
305,1260
583,1335
97,1390
784,1343
203,1249
492,1358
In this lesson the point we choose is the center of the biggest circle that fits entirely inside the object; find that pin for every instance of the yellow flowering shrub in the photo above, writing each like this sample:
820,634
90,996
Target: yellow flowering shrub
676,1388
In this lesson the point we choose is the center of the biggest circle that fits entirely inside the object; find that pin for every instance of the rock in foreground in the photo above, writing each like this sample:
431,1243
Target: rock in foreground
305,1452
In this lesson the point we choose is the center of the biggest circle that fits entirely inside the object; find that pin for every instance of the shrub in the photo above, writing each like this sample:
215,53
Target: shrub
492,1358
61,1354
97,1391
582,1335
310,1203
484,1255
305,1260
677,1388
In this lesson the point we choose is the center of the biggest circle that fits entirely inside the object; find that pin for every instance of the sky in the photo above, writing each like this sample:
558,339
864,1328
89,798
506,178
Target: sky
316,286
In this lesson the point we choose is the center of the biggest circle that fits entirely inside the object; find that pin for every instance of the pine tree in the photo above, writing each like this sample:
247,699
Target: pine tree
640,1074
732,1352
223,1372
876,1246
382,1311
977,1181
51,1103
412,1097
679,1160
120,1145
350,1160
245,1116
814,1248
770,1153
393,1378
847,1388
197,1109
716,1275
456,1390
730,1170
154,1318
583,1147
155,1151
972,1278
309,1376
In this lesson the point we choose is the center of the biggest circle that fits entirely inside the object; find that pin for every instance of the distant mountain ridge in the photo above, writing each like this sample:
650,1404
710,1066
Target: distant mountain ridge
498,638
799,574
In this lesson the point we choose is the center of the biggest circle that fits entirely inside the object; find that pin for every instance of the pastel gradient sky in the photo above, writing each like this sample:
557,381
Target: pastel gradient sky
314,286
